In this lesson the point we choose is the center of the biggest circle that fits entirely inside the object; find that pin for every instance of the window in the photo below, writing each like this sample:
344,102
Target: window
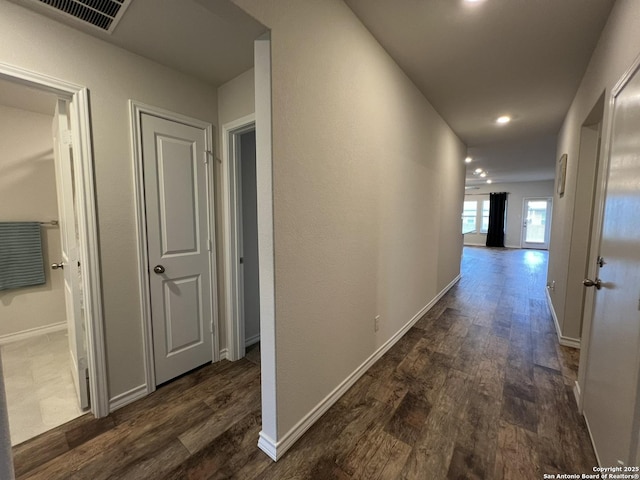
485,217
469,214
476,213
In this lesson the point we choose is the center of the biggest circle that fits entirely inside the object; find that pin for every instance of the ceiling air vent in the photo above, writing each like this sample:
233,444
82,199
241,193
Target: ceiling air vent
103,14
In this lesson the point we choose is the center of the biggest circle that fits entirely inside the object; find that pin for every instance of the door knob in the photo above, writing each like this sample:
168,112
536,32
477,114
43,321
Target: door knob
158,269
587,282
56,266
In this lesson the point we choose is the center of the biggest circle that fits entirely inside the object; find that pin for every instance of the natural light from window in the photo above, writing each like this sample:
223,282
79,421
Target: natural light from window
485,217
469,214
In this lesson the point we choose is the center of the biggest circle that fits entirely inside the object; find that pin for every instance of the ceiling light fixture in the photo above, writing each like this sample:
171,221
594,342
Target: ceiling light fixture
504,119
477,170
483,174
468,160
489,181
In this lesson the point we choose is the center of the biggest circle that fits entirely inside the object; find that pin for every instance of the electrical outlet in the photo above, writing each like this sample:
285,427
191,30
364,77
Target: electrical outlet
376,323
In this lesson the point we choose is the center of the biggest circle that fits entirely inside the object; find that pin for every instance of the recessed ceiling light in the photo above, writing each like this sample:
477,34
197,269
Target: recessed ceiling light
478,170
483,174
503,119
468,160
472,1
489,181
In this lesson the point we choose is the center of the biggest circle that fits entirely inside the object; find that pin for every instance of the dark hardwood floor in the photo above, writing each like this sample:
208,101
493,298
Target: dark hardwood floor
478,389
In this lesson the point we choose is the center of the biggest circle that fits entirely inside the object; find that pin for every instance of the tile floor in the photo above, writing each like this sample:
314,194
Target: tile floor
38,384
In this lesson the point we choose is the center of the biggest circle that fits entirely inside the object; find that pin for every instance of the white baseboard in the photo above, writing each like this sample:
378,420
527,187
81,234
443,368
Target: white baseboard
484,245
578,395
276,450
268,446
32,332
224,354
128,397
251,340
566,341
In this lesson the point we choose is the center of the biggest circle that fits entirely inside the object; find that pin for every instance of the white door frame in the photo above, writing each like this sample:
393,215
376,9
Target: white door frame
234,318
547,230
136,110
78,96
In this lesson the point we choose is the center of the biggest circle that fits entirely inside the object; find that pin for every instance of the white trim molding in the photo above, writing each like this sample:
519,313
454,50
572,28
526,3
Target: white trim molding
128,397
136,109
78,97
566,341
275,450
232,234
32,332
577,393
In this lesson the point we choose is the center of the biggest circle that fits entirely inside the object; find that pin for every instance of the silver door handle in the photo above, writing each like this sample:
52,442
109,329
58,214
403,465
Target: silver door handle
158,269
587,282
56,266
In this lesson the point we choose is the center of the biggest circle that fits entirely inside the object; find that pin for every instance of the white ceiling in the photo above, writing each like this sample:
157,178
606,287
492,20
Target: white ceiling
474,62
477,61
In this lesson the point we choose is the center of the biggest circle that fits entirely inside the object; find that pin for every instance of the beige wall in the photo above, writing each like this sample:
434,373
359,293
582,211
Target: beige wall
28,193
236,98
113,76
517,192
367,190
617,48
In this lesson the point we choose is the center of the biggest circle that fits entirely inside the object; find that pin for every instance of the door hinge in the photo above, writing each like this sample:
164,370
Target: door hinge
211,326
210,245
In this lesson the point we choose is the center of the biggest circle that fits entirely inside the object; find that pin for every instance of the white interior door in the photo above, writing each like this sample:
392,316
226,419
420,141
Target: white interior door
611,380
69,261
177,207
536,220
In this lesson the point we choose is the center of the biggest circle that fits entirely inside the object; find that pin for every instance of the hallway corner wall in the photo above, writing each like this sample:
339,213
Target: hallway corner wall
368,183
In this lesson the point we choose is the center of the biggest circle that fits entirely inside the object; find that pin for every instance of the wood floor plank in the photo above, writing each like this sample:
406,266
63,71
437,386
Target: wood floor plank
433,451
31,454
226,410
409,419
545,353
172,454
520,412
206,462
516,455
473,346
466,465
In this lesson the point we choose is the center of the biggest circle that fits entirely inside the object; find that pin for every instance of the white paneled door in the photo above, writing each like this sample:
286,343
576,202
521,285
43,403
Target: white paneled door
69,262
611,382
179,243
